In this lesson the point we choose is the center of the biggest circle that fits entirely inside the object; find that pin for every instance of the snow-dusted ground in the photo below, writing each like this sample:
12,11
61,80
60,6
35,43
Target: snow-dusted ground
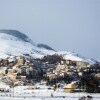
21,93
5,98
42,93
40,96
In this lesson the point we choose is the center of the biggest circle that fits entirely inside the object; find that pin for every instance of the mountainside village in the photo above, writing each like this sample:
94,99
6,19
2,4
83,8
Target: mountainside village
52,70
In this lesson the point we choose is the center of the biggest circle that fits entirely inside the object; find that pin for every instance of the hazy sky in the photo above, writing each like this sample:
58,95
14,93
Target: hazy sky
71,25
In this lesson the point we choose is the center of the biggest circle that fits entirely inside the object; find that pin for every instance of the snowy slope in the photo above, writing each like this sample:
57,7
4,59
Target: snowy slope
13,44
75,57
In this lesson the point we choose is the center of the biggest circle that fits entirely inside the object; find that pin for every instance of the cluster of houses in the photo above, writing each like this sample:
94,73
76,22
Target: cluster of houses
21,69
12,68
65,68
71,71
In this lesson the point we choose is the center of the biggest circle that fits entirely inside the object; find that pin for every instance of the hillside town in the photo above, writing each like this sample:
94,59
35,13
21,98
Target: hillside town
51,70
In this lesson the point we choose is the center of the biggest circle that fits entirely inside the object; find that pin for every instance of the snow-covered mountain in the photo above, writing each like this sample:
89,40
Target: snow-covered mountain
14,43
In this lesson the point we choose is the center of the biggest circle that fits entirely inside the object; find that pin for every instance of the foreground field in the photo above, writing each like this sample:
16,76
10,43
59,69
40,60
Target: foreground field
50,95
43,93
